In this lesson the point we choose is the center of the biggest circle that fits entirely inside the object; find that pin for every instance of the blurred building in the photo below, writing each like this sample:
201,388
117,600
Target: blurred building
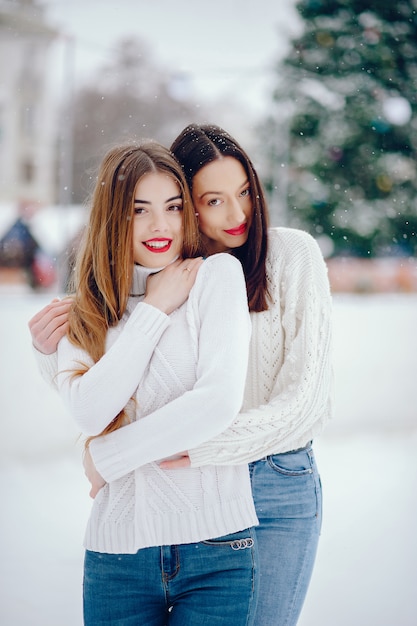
27,110
380,275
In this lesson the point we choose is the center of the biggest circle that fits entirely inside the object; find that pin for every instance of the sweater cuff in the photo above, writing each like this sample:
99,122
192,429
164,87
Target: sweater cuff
203,455
148,320
47,365
107,458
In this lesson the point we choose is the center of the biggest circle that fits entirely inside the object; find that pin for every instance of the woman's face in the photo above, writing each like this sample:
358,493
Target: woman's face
157,220
223,201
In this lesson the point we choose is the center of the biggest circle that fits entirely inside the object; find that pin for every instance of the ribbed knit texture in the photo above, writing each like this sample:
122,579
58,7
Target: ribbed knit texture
187,374
289,387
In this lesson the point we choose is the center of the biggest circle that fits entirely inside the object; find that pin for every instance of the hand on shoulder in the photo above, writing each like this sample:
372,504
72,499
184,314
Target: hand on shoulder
169,289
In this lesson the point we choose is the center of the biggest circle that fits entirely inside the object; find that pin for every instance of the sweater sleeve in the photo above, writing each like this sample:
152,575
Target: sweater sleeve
219,304
301,397
97,396
47,365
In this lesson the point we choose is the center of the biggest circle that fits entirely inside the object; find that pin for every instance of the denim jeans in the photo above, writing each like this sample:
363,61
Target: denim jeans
288,500
200,584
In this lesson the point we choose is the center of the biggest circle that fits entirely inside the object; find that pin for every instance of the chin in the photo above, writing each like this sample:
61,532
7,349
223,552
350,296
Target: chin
237,242
162,260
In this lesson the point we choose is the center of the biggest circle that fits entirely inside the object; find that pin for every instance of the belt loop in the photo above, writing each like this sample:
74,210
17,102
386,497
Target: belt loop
308,445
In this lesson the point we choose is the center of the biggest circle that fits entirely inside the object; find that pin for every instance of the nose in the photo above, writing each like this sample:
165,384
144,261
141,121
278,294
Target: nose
236,213
159,221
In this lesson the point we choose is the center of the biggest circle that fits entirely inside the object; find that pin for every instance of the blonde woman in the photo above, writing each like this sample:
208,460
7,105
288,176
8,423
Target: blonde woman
152,363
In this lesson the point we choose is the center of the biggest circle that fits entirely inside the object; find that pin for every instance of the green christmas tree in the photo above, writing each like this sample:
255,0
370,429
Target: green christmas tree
349,87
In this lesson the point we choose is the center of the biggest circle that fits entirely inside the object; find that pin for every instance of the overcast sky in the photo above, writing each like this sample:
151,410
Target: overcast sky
218,45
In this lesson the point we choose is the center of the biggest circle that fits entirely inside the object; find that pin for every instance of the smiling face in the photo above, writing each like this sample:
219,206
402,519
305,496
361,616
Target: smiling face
157,225
222,198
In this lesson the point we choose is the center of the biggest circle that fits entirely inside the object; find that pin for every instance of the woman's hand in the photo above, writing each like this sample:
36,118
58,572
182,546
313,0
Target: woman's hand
96,480
180,462
49,325
169,289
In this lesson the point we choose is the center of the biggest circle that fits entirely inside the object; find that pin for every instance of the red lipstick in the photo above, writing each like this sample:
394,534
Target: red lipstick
158,245
239,230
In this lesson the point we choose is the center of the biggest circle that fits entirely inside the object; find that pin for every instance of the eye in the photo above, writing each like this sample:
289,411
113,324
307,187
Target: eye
245,192
214,202
139,210
175,207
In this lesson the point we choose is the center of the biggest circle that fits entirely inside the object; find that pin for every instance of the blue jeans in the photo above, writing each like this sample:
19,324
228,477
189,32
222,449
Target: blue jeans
208,583
288,500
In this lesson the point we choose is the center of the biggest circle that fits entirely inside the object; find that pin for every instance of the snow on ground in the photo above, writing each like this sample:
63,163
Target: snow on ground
365,573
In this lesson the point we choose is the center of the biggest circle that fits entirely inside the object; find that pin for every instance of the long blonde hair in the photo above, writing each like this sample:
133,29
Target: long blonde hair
104,266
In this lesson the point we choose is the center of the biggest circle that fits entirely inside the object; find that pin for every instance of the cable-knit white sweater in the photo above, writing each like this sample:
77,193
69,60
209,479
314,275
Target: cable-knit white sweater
289,388
186,374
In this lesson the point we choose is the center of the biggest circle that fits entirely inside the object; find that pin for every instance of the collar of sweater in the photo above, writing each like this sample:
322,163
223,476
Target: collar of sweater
140,276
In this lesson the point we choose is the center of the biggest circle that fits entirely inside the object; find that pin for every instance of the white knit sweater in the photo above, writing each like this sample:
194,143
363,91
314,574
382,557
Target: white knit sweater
186,373
289,387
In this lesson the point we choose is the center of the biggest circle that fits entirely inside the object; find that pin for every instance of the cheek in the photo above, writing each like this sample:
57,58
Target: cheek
136,230
207,222
204,228
179,229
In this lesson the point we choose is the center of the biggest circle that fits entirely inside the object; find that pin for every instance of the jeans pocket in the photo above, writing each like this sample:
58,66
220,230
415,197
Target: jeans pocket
298,463
287,486
240,540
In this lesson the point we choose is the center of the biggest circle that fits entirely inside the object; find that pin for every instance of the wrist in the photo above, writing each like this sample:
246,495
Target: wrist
158,304
43,350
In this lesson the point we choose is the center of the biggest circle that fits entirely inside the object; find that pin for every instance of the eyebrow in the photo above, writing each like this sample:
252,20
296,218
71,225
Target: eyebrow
139,201
220,192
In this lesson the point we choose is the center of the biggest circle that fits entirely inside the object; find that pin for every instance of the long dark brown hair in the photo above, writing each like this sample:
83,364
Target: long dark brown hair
200,144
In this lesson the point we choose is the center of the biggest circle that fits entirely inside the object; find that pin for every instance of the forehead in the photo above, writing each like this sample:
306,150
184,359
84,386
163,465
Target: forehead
157,184
223,173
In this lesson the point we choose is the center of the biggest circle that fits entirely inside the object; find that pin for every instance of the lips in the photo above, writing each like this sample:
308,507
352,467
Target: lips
158,245
239,230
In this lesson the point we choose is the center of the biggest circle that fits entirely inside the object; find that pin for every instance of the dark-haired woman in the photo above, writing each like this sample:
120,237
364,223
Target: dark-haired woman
288,393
